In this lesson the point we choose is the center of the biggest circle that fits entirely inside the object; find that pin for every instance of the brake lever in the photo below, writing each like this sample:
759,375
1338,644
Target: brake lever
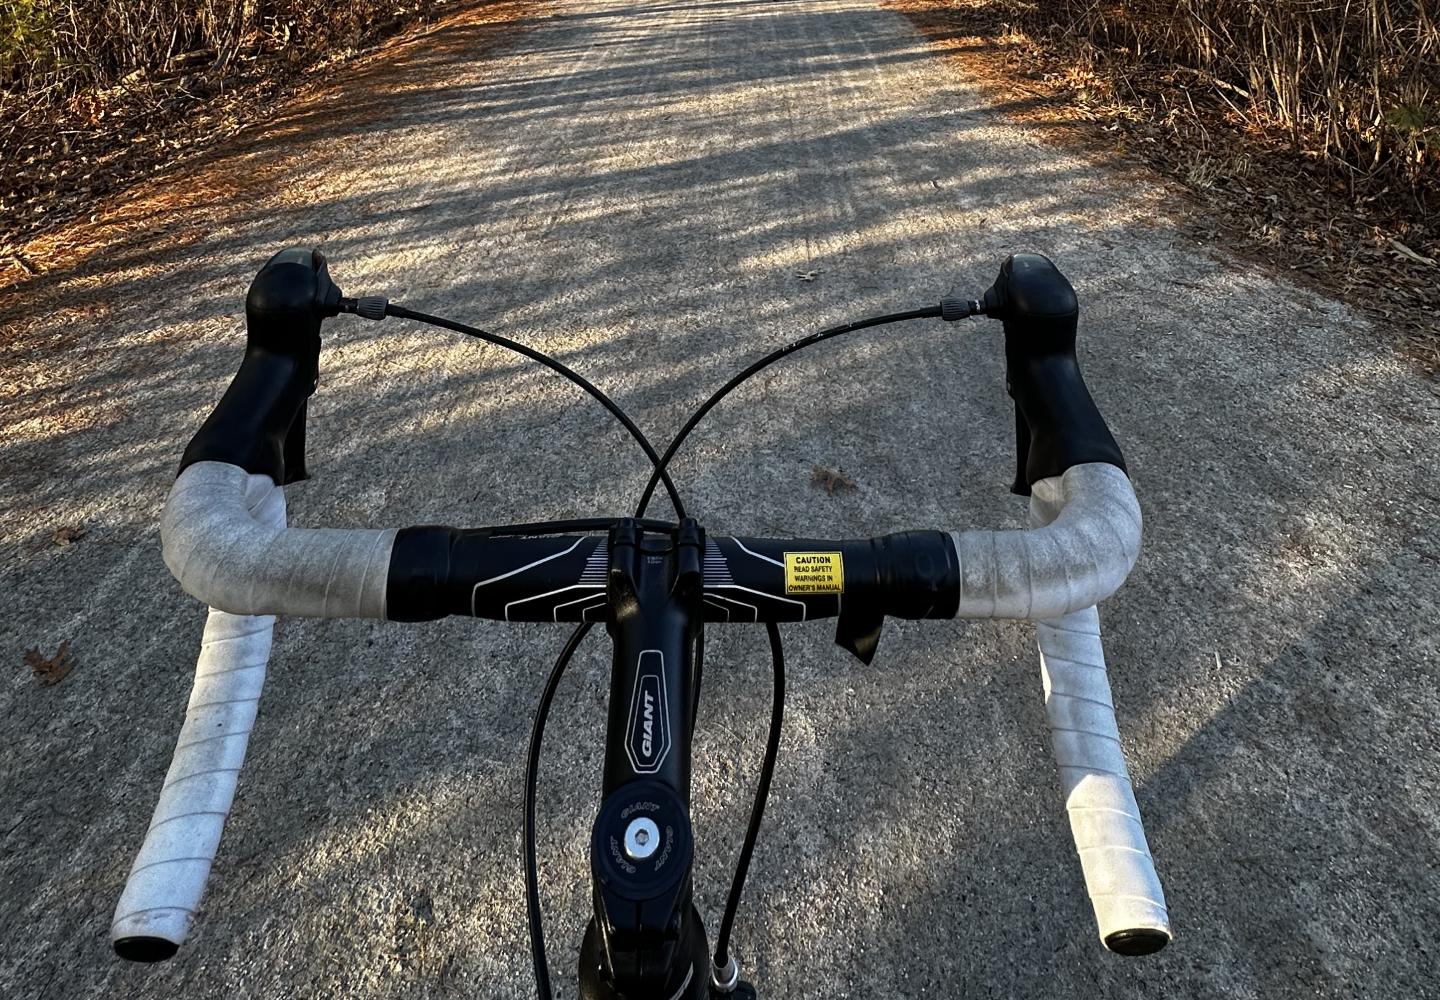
259,423
1057,424
292,453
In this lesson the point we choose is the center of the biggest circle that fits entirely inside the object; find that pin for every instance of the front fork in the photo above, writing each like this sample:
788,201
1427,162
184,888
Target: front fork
646,939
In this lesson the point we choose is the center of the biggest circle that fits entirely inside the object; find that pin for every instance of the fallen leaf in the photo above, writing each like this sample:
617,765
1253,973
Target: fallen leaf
830,481
50,670
69,533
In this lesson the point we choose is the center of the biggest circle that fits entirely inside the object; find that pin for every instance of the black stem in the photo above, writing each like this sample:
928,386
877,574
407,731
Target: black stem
660,474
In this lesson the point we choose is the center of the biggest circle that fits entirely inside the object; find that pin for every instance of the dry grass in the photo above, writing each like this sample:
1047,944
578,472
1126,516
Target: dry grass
1355,82
95,93
58,48
221,158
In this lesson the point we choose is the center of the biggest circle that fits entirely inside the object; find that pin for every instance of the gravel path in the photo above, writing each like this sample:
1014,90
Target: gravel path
635,185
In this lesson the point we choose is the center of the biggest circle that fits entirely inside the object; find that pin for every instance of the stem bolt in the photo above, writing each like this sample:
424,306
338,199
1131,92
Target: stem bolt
642,838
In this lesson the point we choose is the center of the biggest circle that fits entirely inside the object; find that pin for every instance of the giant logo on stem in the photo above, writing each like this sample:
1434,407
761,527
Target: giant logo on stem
647,738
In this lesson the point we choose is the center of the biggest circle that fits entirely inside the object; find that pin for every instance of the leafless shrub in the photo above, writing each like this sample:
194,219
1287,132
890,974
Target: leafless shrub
95,92
1354,81
62,46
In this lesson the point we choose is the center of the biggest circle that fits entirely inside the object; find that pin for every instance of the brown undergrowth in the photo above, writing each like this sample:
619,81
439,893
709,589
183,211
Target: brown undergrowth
1246,190
92,163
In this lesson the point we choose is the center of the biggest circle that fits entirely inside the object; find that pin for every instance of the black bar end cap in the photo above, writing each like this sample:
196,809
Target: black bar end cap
1138,941
145,949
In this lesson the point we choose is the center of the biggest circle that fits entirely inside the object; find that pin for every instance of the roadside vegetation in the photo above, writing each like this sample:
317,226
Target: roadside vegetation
1352,83
94,93
1310,127
1308,131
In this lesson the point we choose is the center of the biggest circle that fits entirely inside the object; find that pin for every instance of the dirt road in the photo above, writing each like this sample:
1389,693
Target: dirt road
636,186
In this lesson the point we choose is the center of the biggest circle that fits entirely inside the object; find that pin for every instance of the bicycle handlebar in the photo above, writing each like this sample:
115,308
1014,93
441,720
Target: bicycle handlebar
225,540
227,555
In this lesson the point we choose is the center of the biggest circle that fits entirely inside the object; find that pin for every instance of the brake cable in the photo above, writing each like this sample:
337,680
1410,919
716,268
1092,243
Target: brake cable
376,308
722,958
950,309
532,781
663,465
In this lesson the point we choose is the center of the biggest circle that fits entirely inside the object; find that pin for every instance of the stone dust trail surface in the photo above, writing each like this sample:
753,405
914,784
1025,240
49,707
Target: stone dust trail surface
634,186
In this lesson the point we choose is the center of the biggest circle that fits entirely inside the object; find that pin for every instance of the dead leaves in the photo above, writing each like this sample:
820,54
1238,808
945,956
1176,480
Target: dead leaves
67,534
832,481
64,536
50,670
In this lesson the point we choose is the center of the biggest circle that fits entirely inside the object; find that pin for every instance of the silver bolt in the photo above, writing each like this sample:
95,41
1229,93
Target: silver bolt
642,838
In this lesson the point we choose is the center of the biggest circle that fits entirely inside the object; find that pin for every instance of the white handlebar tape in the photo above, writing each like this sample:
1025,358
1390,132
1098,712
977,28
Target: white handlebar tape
225,552
1073,558
1104,519
225,539
168,878
1083,540
1104,817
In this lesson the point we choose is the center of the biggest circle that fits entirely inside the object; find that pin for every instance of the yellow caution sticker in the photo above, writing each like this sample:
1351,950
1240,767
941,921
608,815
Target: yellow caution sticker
814,573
